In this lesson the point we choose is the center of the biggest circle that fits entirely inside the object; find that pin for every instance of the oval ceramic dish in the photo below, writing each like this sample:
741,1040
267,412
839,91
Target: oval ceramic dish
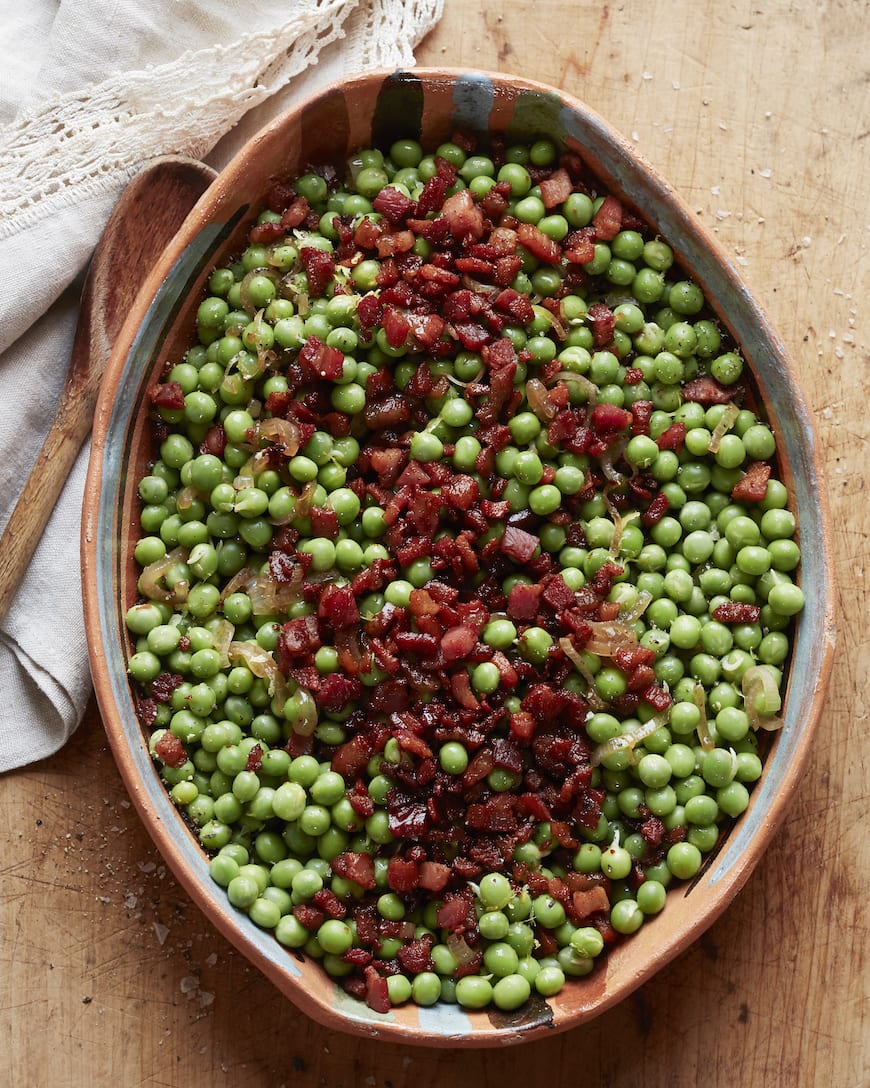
371,110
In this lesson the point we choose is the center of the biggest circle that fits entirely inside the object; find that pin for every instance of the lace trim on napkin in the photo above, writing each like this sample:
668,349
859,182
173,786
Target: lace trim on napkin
77,144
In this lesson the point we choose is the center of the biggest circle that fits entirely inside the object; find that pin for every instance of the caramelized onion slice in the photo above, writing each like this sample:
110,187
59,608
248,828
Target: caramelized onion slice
608,460
239,583
539,400
705,737
186,497
256,463
619,523
723,427
261,664
631,615
554,322
628,740
462,951
576,658
610,636
478,288
282,432
268,596
306,499
762,698
581,380
149,579
251,654
222,632
300,710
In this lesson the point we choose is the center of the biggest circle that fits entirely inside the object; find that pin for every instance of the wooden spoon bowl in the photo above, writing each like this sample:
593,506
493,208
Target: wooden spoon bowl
148,213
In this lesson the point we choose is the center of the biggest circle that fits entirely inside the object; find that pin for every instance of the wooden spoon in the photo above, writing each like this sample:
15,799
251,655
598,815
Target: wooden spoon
147,215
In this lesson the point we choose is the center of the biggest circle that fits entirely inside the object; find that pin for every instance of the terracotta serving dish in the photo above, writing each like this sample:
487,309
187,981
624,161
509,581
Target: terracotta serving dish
371,110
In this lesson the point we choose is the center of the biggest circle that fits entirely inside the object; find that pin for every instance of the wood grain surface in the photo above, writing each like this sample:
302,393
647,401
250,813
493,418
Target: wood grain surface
758,111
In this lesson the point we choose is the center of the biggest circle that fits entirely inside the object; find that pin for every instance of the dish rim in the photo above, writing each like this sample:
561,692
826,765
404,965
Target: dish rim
721,878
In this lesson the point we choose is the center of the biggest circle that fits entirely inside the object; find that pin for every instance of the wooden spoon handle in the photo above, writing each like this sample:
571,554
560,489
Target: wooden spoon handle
34,507
149,212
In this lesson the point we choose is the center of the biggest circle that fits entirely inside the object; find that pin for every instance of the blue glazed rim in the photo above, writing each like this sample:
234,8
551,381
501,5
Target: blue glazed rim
476,99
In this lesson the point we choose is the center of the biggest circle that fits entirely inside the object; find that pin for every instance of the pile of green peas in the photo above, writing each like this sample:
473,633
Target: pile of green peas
274,822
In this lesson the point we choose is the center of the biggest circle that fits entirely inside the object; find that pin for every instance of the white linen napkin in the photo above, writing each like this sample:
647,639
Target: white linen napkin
89,91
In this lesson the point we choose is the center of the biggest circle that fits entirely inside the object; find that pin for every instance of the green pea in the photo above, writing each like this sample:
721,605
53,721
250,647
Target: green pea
642,451
731,452
466,452
569,479
290,932
144,666
654,770
425,988
535,643
529,209
684,860
680,757
602,727
473,992
549,980
616,862
453,757
610,683
661,801
726,368
511,991
426,446
626,916
335,936
499,633
651,896
524,427
243,891
528,468
485,678
628,802
322,552
786,599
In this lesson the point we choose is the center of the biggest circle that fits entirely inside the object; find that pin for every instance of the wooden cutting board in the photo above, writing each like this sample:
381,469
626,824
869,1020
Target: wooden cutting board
758,113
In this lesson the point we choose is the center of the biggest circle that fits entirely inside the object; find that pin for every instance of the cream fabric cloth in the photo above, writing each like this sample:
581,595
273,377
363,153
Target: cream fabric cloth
90,90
